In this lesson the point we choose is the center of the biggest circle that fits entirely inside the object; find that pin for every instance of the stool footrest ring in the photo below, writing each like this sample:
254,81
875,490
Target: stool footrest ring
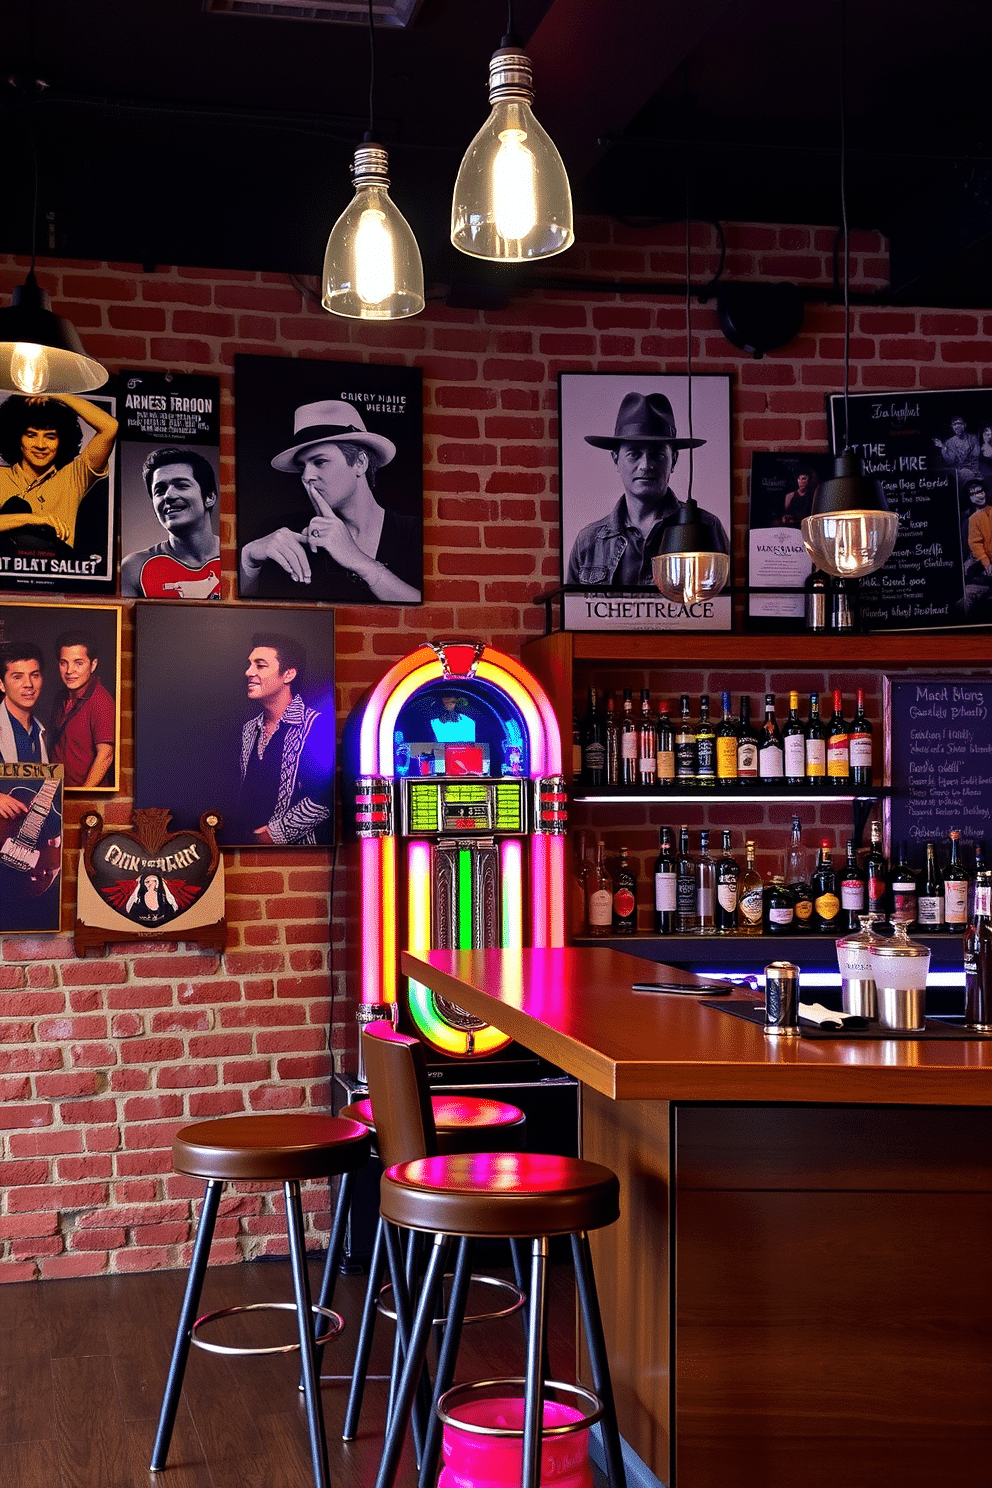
335,1319
555,1391
519,1299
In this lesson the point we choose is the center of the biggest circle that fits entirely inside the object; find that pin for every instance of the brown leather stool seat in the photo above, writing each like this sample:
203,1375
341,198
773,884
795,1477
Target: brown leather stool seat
460,1120
283,1148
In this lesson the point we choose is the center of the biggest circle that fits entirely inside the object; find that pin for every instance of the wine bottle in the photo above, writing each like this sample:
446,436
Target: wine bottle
727,878
853,891
838,752
978,957
612,743
816,743
665,756
705,887
780,910
594,744
685,745
877,868
930,902
664,886
771,753
705,745
726,745
749,905
685,887
956,889
628,741
599,895
905,894
647,742
747,745
624,897
979,868
816,587
826,902
794,744
579,874
860,744
797,880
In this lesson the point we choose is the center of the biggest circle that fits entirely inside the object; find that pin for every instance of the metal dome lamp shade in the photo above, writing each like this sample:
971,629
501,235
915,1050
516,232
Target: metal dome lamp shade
688,569
40,352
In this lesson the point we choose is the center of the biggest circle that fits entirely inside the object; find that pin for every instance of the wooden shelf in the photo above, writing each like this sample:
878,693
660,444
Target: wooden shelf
692,648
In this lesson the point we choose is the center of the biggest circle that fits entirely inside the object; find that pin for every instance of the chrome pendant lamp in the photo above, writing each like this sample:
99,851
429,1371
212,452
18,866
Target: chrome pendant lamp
372,265
850,531
512,201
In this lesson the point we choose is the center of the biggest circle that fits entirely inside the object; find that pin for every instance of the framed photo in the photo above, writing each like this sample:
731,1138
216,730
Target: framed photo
234,713
170,459
30,848
625,460
782,490
61,668
58,528
329,481
932,453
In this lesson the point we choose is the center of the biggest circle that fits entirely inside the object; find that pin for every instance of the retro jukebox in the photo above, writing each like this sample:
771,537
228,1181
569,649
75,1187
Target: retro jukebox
453,788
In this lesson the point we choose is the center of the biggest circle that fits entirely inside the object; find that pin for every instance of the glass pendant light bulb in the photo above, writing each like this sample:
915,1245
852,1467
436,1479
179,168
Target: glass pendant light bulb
372,265
850,532
689,569
29,369
512,199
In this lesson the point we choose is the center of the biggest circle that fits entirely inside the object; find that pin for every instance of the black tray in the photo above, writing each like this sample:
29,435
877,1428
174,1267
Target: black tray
754,1012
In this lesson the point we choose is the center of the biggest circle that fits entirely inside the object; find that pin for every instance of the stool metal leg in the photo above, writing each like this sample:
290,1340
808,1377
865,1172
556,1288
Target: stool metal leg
519,1277
585,1281
446,1359
366,1331
301,1287
335,1244
534,1387
413,1363
191,1301
404,1279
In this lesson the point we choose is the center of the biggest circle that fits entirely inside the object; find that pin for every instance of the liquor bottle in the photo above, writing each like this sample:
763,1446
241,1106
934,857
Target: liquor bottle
705,887
576,748
816,587
612,743
794,744
580,870
628,741
797,879
647,742
664,886
594,744
905,898
726,744
860,744
838,752
771,752
826,903
816,743
599,895
956,889
780,911
747,746
727,878
624,897
930,901
978,956
685,887
877,868
665,756
685,745
979,868
853,891
749,906
842,606
705,745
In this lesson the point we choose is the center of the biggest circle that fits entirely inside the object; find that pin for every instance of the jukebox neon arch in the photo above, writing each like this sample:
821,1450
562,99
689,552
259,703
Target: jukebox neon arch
454,760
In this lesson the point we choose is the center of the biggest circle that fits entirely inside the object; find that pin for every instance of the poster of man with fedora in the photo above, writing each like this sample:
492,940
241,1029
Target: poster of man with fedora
628,458
329,481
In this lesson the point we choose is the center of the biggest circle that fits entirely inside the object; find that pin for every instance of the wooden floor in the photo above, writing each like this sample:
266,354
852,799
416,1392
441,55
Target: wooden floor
83,1366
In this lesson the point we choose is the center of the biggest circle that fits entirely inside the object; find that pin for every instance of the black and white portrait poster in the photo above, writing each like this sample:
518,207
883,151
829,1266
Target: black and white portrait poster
30,847
625,458
170,458
234,712
782,490
329,481
57,493
932,453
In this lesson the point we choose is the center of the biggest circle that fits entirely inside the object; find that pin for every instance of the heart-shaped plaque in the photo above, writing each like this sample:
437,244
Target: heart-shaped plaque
151,876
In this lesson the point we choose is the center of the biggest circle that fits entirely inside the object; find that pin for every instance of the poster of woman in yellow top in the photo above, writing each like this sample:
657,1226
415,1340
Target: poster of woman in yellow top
57,512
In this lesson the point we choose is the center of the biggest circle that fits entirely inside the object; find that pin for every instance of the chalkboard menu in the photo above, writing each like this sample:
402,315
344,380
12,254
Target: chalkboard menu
939,761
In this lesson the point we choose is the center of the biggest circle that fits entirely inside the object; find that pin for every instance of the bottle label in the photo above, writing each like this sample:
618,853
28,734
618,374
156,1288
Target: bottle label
747,759
646,765
751,906
804,909
956,902
685,895
827,906
705,758
624,904
771,762
930,909
600,907
726,893
858,965
795,756
595,756
876,892
860,747
983,899
665,760
628,746
816,757
704,902
852,894
781,916
726,757
664,892
685,760
904,900
838,759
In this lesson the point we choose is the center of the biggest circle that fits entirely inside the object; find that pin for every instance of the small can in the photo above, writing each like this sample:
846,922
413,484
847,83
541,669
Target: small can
782,1000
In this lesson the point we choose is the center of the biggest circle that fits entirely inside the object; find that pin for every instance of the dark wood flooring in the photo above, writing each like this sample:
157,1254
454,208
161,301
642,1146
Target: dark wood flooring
83,1364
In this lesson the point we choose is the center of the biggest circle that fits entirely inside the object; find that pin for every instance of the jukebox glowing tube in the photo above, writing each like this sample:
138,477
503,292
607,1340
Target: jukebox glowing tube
512,892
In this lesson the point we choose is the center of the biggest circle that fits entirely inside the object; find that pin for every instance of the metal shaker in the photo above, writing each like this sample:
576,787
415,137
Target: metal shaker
782,1000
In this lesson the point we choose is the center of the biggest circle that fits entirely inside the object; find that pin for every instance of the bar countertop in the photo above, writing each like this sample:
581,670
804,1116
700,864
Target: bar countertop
576,1007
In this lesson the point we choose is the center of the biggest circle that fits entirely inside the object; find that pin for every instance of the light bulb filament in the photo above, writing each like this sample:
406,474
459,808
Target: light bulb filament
514,186
375,271
29,369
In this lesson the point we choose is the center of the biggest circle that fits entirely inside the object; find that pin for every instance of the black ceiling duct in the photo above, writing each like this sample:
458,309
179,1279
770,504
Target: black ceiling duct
759,317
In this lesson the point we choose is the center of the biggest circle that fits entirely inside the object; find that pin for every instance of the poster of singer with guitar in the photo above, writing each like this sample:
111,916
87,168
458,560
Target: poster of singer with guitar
30,847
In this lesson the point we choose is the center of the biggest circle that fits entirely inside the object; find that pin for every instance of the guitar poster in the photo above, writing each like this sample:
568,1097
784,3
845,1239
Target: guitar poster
30,848
170,503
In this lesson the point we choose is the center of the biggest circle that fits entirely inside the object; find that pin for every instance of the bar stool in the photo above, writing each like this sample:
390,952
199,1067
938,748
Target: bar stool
278,1148
475,1196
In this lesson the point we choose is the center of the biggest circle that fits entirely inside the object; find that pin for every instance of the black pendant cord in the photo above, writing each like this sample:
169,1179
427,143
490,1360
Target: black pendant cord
370,137
688,319
843,220
510,39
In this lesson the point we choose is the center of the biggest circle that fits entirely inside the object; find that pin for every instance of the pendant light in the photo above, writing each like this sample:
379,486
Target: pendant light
512,200
850,531
372,265
689,568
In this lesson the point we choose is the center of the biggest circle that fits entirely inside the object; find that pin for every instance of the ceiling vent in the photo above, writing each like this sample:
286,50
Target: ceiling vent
339,12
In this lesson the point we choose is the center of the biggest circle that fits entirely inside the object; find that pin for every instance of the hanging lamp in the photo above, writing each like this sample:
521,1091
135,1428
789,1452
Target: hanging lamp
512,200
372,265
851,530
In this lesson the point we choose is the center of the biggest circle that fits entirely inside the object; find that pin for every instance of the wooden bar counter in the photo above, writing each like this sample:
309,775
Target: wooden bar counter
799,1291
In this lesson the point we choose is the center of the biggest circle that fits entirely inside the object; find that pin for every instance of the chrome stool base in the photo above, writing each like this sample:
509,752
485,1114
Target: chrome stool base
335,1319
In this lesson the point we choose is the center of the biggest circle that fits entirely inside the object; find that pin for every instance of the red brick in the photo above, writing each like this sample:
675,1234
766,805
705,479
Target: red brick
22,1271
152,1051
86,1264
26,1115
44,1143
64,1196
185,1076
64,1087
209,1104
28,1226
77,1169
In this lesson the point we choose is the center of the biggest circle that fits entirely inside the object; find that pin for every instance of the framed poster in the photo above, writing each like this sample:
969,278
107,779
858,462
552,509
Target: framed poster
782,490
932,453
625,462
170,457
30,847
60,669
58,529
234,714
329,481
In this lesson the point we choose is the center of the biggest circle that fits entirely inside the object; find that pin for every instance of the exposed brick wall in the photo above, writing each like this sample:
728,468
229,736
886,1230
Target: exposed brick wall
102,1059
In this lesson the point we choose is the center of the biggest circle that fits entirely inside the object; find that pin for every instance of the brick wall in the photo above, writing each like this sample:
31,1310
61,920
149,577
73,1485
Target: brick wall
102,1059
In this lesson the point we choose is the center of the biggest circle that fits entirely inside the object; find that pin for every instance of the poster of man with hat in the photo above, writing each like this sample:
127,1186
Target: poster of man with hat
628,457
329,481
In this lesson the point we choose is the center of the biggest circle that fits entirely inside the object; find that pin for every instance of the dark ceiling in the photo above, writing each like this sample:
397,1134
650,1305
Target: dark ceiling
168,134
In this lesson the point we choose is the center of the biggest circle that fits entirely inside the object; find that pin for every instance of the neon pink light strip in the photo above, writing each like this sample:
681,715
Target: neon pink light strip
511,863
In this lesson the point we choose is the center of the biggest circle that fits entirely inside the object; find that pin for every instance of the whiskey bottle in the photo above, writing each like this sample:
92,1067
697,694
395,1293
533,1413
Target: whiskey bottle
599,895
839,755
771,754
956,889
664,886
685,745
705,887
816,743
780,908
647,742
747,746
860,744
726,745
749,904
727,878
628,741
705,745
826,902
612,743
794,744
978,957
853,890
905,898
930,902
594,744
797,880
665,756
624,897
686,919
877,868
